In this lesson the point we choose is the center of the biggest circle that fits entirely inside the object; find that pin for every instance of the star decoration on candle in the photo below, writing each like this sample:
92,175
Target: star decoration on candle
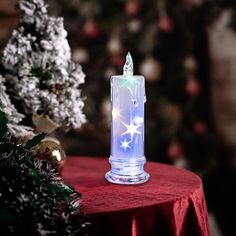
125,144
131,129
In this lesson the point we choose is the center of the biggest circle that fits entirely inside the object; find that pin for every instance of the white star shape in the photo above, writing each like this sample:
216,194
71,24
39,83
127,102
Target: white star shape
131,129
125,144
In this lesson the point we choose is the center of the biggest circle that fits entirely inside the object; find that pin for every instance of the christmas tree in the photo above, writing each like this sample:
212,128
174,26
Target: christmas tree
33,198
39,83
38,74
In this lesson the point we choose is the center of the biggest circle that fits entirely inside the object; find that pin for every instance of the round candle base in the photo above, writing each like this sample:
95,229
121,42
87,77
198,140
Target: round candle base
125,171
127,179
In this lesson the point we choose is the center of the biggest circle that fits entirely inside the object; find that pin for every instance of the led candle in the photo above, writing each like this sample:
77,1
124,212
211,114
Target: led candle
127,132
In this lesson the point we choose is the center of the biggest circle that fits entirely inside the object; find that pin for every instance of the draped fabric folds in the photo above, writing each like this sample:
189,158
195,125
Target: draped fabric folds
171,203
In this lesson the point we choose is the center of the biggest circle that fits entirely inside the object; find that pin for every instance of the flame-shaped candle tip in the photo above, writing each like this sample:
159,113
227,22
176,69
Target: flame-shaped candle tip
128,68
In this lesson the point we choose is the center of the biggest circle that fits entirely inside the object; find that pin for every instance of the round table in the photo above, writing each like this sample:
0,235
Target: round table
172,202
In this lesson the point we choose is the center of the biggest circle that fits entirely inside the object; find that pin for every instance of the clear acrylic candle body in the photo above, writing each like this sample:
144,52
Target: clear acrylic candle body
127,132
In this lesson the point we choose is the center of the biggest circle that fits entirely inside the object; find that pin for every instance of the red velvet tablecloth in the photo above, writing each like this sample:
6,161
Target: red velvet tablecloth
172,202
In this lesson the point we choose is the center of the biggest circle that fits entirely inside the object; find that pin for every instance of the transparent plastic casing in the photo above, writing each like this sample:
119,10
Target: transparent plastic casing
127,157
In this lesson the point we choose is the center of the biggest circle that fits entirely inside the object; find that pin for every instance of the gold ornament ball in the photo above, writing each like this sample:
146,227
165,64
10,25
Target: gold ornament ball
52,151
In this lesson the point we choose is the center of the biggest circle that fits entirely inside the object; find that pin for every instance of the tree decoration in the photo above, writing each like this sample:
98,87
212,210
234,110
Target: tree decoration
200,127
114,46
175,150
134,25
38,70
50,150
33,198
151,69
90,29
132,7
81,55
166,24
192,87
190,64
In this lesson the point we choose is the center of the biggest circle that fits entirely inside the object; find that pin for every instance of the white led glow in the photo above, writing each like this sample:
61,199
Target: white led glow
125,144
131,129
116,113
127,157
